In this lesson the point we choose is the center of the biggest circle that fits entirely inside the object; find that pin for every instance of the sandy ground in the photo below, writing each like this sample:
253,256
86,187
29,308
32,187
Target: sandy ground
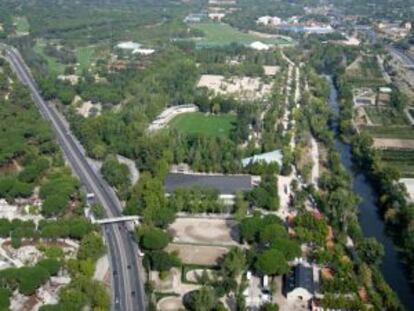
384,143
206,231
244,87
197,254
101,269
315,159
170,304
409,184
195,275
85,108
133,171
271,70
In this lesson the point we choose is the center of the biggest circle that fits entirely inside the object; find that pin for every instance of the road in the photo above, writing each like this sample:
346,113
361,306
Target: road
128,294
407,59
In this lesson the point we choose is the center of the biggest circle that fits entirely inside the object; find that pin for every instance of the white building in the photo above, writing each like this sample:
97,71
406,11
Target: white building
269,21
259,46
128,45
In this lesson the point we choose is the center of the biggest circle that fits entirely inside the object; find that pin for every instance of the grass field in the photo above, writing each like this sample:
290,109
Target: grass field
199,123
84,57
55,67
402,159
386,116
398,132
22,25
219,34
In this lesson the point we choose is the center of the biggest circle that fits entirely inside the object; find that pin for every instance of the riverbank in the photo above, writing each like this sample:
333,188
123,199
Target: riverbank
392,268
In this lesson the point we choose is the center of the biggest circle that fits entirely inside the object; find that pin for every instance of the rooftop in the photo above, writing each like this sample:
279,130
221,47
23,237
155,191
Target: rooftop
268,157
300,277
225,184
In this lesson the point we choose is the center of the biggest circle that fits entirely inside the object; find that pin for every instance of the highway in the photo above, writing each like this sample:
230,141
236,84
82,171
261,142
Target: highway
128,293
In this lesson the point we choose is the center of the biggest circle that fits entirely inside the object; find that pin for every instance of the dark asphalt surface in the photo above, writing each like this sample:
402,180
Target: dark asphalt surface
128,291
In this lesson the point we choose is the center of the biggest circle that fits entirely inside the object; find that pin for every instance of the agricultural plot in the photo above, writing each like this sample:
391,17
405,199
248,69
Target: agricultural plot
219,34
396,132
402,159
199,123
365,72
386,116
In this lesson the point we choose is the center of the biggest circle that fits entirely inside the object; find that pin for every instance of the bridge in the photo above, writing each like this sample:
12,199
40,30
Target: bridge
115,220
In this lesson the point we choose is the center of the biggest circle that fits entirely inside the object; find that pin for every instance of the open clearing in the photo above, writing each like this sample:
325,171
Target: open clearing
22,24
199,123
219,34
204,231
198,254
240,87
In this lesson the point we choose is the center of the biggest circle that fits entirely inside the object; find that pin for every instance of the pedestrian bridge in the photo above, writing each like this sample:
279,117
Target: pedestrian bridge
115,220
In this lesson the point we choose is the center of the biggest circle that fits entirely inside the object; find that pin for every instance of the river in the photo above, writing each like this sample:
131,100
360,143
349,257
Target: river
371,223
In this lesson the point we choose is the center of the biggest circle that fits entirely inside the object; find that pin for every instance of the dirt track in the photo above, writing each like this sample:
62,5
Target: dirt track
205,231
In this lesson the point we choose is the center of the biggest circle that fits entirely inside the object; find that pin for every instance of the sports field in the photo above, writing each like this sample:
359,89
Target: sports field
219,34
200,123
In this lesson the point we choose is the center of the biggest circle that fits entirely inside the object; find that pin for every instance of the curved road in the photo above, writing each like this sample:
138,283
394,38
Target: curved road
128,294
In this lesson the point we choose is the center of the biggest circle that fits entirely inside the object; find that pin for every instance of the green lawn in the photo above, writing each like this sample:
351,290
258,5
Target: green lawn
22,25
386,116
219,34
200,123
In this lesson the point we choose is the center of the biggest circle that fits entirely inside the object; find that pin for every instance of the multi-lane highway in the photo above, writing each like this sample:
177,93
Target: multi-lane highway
128,294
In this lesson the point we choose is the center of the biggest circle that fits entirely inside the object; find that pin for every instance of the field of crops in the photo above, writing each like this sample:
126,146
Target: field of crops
386,116
402,159
398,132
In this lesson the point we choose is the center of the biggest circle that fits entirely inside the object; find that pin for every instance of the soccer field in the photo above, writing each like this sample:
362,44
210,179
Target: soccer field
199,123
219,34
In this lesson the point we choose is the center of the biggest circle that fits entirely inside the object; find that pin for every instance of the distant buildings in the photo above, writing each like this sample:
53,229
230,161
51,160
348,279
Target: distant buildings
195,18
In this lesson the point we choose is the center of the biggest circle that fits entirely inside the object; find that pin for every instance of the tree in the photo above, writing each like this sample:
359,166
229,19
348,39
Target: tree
270,233
91,246
162,261
269,307
289,248
370,251
154,239
234,262
51,265
271,262
203,299
54,205
117,174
